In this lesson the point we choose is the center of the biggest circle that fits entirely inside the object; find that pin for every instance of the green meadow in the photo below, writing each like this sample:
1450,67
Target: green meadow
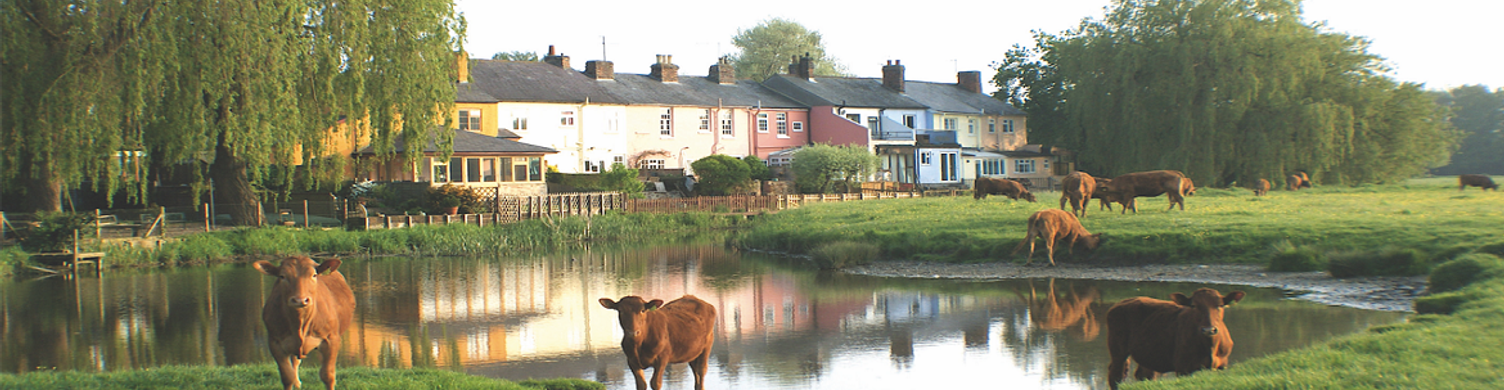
261,376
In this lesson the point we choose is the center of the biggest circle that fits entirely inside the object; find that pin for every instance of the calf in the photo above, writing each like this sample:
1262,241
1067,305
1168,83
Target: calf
1052,225
1183,336
1261,187
994,186
1077,188
1148,184
656,335
1480,181
309,307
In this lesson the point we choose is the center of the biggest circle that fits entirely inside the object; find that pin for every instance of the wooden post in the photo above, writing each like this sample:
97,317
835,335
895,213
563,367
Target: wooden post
305,213
206,217
97,228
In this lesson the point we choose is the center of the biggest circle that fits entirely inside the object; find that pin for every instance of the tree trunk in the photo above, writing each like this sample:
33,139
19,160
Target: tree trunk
232,190
43,192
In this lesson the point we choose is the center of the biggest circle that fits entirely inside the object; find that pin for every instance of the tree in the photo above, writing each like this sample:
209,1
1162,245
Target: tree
718,174
757,169
1479,114
107,91
819,167
768,48
517,55
1226,91
622,179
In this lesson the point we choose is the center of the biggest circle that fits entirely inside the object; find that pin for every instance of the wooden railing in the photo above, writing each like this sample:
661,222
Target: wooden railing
718,204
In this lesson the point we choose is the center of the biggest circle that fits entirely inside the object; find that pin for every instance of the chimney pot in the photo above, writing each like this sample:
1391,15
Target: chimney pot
665,70
893,77
600,70
559,60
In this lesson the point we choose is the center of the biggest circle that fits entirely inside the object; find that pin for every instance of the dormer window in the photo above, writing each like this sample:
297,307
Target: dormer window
469,120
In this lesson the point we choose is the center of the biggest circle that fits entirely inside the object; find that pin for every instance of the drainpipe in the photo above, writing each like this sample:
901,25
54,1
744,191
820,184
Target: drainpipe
579,126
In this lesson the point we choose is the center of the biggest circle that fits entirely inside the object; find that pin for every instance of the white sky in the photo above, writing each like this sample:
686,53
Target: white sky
1442,43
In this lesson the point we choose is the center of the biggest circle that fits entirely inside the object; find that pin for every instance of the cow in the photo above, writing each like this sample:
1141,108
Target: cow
995,186
1147,184
1297,180
1077,188
309,307
1480,181
1104,199
1052,225
1183,335
1067,310
1261,187
655,335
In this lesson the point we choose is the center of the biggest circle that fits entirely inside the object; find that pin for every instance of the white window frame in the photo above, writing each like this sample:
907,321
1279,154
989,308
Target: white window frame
971,125
798,127
469,120
949,123
762,122
434,166
656,163
925,157
991,125
726,129
1024,166
666,122
519,122
909,120
705,121
566,118
783,124
1007,126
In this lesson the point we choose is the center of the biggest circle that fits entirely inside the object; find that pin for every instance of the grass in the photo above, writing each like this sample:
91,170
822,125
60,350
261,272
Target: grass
265,376
1432,221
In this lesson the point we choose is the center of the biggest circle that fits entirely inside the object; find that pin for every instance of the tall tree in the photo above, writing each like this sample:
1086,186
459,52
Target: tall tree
1479,114
243,88
768,48
516,55
1225,90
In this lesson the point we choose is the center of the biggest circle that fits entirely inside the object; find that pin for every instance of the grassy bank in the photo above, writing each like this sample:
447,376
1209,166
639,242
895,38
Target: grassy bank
530,235
1422,222
265,376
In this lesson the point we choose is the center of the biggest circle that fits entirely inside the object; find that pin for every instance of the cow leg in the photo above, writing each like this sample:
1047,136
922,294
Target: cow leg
1028,239
658,374
642,384
1145,374
699,366
330,349
287,366
1049,247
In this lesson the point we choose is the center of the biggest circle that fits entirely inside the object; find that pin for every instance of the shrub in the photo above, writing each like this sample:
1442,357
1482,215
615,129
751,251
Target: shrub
1496,249
719,174
622,179
1290,258
1391,262
1444,303
757,169
53,231
1462,271
841,254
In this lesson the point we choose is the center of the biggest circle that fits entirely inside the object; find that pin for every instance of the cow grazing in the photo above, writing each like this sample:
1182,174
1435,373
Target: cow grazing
994,186
1480,181
1297,181
309,307
1181,336
1147,184
655,335
1053,225
1077,188
1104,198
1261,187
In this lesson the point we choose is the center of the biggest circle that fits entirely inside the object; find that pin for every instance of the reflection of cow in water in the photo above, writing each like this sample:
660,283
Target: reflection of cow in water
1070,309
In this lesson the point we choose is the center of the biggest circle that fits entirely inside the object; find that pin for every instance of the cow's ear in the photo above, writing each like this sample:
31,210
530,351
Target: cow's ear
654,305
1232,297
330,265
608,303
266,267
1181,299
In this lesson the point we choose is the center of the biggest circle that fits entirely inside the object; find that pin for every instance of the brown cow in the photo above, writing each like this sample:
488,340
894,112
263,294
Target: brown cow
656,335
1058,312
1052,225
1104,199
1297,181
1077,187
309,307
1261,187
1148,184
1480,181
1182,336
995,186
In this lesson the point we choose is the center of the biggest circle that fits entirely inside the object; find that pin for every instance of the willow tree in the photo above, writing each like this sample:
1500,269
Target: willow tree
238,87
1225,90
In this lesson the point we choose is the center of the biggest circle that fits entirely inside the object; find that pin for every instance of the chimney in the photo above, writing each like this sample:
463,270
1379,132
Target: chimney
893,76
559,60
665,70
600,70
722,72
805,68
970,80
462,66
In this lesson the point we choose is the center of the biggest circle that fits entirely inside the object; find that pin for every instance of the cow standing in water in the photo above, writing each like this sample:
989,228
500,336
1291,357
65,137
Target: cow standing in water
1182,336
309,307
655,335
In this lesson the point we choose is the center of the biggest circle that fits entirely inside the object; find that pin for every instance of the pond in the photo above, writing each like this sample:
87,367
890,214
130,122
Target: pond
779,325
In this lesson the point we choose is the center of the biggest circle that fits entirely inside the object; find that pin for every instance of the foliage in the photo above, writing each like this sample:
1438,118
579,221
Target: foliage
517,55
841,254
718,174
265,375
757,169
53,231
470,201
1226,91
767,49
1464,270
622,179
1389,262
1290,258
819,167
1479,114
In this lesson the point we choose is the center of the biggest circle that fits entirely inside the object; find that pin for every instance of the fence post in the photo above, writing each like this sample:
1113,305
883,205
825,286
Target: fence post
206,217
305,213
97,228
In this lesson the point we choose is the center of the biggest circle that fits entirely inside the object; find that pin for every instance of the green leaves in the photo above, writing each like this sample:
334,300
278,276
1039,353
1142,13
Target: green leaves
768,48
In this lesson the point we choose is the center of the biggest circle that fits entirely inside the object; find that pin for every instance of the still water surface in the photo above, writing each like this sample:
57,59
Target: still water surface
779,326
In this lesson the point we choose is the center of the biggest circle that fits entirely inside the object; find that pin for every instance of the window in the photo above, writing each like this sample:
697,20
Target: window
762,123
950,123
1008,126
470,120
948,166
798,126
472,170
908,120
783,124
990,167
1023,166
924,158
534,169
666,122
854,117
726,123
618,159
613,123
872,124
652,164
705,121
593,166
991,125
971,126
566,118
440,170
506,168
519,122
488,170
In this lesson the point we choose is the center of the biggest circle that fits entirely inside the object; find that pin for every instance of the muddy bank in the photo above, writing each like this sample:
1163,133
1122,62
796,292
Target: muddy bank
1374,293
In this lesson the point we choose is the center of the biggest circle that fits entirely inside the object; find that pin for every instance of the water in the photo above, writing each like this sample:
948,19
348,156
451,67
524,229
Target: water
779,325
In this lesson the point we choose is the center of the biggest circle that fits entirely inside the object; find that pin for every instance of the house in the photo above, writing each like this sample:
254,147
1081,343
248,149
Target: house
478,160
992,134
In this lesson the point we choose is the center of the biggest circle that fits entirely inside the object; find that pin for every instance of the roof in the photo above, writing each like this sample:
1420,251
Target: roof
530,81
953,98
466,142
1024,153
841,91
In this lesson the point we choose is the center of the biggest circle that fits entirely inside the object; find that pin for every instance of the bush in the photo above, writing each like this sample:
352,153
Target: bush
1290,258
1405,262
1444,303
441,198
841,254
757,169
53,231
718,174
1462,271
622,179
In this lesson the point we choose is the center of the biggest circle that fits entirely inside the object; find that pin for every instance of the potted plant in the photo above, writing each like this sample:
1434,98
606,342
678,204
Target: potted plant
449,204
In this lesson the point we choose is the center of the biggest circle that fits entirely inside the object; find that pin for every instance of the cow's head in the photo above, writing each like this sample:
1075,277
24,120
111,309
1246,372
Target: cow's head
299,277
629,311
1093,241
1208,302
1029,196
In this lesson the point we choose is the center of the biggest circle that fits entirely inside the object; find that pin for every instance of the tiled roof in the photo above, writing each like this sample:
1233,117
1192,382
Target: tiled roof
470,93
953,98
531,81
474,143
841,91
520,81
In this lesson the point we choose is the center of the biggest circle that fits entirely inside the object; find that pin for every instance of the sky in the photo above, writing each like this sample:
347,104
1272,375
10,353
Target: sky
1440,43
